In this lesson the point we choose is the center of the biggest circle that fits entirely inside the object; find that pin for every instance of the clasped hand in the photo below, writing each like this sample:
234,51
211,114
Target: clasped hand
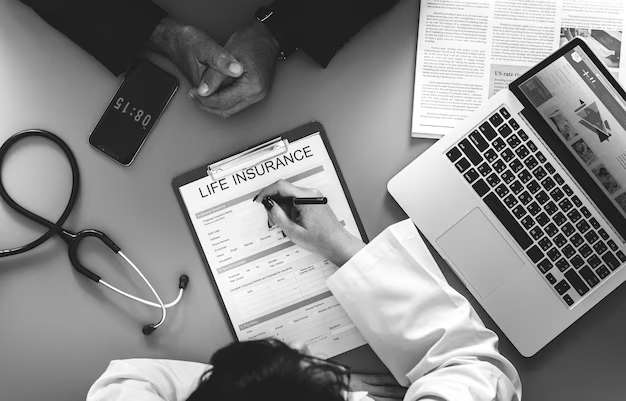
256,50
242,74
225,79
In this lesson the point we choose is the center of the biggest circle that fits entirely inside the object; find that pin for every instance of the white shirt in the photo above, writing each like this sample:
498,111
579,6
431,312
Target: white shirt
425,332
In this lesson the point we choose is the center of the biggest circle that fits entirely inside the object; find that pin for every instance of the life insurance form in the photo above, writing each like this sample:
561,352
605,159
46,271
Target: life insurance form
271,287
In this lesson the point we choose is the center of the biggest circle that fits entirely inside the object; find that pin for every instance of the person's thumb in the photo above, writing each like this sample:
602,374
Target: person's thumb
211,81
279,217
221,64
218,58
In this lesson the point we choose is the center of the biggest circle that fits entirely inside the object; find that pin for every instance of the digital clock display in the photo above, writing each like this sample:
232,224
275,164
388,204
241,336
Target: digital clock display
138,116
130,116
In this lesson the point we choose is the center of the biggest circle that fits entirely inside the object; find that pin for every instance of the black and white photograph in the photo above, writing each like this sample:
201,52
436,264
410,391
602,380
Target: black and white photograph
605,44
606,178
564,126
243,200
584,152
621,201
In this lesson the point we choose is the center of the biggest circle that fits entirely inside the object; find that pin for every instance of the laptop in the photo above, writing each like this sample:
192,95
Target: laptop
526,200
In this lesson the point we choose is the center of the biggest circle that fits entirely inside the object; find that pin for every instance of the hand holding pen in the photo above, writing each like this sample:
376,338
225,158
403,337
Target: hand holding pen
311,224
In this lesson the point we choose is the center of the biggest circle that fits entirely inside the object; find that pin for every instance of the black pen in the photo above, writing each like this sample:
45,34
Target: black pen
292,200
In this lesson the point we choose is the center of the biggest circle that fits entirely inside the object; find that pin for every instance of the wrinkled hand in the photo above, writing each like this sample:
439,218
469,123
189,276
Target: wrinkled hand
313,227
193,52
381,387
257,50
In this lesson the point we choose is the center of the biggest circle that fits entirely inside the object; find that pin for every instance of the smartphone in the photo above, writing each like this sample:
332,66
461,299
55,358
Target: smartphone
137,105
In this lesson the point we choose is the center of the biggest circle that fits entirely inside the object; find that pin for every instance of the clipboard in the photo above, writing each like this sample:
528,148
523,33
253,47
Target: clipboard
212,175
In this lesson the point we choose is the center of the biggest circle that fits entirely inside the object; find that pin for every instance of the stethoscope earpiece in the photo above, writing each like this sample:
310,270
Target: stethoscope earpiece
148,329
183,281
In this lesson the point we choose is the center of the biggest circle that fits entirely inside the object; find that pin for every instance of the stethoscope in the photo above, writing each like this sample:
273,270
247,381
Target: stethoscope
73,239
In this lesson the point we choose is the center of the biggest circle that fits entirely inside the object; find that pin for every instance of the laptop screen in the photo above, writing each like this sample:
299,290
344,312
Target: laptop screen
588,116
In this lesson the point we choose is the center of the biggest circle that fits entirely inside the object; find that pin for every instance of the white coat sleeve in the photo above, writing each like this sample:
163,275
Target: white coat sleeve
425,332
147,380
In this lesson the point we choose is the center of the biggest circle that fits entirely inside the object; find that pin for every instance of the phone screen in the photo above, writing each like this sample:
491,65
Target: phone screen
128,119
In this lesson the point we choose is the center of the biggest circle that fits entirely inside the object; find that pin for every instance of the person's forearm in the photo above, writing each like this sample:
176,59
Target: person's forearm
112,31
425,332
346,247
166,36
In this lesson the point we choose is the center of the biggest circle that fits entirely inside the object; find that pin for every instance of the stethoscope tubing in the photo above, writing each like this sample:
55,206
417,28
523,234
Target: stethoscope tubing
73,239
53,228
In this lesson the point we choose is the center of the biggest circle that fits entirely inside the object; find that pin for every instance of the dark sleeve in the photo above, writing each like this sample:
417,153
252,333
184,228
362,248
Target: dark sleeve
321,27
112,31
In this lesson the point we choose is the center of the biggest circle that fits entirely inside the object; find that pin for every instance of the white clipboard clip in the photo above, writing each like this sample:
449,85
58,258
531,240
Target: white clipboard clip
248,158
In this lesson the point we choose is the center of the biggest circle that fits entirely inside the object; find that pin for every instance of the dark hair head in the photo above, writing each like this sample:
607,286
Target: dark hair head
270,370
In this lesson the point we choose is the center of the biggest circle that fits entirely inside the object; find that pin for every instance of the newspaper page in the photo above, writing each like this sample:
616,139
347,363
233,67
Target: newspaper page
467,50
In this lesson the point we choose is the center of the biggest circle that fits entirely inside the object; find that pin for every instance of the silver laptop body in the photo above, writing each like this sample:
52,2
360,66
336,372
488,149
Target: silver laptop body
526,200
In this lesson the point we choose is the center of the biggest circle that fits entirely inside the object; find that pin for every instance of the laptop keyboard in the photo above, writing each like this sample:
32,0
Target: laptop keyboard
541,208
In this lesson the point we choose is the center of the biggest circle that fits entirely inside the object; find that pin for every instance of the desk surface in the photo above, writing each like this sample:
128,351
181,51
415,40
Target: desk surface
59,331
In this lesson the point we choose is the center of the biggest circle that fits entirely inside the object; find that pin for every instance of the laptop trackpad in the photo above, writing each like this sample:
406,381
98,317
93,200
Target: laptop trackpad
479,252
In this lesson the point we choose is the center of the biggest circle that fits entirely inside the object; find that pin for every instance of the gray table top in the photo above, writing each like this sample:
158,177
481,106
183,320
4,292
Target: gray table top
59,330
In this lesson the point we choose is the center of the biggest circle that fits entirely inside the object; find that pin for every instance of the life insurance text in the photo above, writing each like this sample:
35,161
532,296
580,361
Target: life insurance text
257,171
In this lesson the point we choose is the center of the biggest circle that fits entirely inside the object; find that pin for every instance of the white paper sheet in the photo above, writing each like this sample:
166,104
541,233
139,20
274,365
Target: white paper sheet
270,286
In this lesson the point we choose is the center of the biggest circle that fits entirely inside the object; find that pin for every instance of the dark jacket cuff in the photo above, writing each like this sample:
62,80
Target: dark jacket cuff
321,27
130,36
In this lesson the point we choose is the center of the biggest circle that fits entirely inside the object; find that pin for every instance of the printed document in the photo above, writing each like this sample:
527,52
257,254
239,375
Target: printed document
271,287
468,50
